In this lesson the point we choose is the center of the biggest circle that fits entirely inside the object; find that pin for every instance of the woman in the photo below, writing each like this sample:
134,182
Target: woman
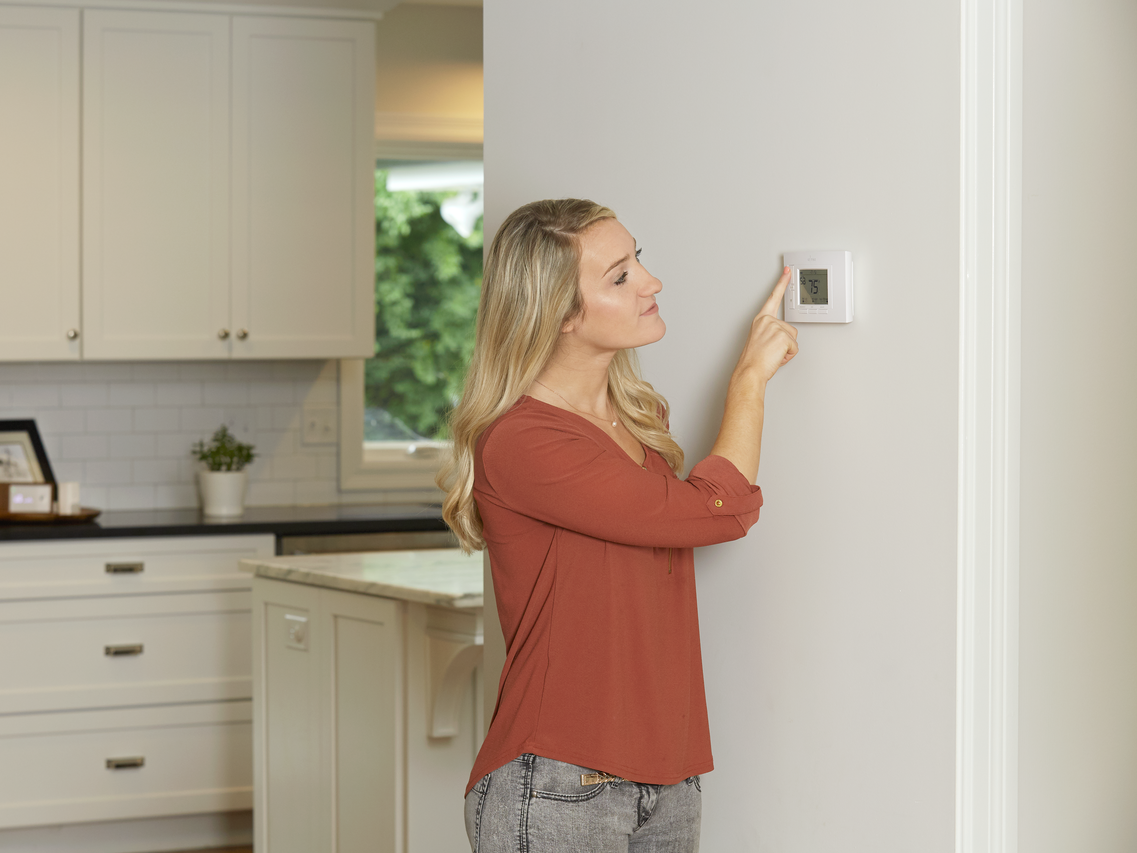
563,468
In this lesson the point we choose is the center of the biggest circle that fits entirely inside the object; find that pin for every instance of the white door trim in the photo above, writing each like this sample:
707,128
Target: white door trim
988,546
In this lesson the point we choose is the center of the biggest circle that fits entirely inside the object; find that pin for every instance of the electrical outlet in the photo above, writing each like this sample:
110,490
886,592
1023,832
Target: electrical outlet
296,632
320,424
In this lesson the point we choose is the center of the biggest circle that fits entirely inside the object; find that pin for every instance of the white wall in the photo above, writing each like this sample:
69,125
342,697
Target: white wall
1078,584
723,135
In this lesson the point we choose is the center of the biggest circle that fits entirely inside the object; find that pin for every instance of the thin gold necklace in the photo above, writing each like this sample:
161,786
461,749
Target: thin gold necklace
574,408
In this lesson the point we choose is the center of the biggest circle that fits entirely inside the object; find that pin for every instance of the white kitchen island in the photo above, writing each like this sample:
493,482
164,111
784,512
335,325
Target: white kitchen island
366,700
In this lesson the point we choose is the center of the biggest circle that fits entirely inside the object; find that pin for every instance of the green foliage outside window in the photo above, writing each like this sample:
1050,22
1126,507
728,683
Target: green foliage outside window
427,282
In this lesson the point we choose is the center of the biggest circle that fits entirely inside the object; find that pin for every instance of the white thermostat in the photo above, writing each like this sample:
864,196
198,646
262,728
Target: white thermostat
820,288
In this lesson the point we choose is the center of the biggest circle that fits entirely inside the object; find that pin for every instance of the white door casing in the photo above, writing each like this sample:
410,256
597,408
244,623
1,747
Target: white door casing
989,426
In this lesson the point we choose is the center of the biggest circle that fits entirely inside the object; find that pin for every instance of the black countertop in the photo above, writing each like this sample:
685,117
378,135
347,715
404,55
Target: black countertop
279,520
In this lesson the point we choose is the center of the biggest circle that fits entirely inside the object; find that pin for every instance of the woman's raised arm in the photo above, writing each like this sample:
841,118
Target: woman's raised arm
772,343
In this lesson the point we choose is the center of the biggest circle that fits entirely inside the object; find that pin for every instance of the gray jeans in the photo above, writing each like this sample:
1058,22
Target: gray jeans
537,805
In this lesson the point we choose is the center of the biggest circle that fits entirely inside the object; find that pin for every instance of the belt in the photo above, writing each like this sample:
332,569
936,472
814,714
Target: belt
597,778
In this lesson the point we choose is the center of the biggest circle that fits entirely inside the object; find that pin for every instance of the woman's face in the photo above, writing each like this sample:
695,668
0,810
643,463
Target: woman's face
618,293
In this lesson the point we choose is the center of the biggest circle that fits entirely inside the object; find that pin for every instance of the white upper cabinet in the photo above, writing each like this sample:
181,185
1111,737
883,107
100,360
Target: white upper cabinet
155,185
39,184
303,188
227,185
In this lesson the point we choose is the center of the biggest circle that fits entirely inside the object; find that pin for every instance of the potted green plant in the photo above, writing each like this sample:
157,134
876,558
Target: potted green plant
223,480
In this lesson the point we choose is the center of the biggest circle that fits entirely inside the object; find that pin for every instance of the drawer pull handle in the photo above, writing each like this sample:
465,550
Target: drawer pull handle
125,568
123,763
122,651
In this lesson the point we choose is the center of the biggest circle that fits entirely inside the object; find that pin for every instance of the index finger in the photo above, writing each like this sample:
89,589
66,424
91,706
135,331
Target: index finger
771,306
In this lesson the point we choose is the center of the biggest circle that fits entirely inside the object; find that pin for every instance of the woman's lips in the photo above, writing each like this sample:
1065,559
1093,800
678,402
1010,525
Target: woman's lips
653,309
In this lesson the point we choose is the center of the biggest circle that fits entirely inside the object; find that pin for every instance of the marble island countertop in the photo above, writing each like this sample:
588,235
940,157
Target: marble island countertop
444,577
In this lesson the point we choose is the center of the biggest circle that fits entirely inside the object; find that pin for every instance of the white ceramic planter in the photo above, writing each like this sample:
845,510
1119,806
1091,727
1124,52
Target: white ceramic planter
222,492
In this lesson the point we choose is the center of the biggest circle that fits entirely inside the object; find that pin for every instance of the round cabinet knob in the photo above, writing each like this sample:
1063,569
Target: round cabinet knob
242,334
223,334
72,334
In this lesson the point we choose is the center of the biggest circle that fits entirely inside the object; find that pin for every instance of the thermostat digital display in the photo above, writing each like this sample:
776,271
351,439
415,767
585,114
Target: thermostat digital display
821,287
814,286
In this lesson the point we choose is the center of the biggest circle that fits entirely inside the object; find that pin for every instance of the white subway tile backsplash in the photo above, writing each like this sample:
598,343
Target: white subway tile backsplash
175,496
226,393
203,419
242,421
71,471
154,371
104,472
79,394
19,372
35,396
293,468
157,420
83,447
132,446
124,430
131,394
237,371
311,492
106,371
95,496
130,497
109,420
287,418
175,445
276,493
158,471
178,393
328,466
53,444
262,393
202,371
59,421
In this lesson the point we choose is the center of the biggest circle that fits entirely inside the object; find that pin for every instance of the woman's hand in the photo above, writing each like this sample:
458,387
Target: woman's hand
772,343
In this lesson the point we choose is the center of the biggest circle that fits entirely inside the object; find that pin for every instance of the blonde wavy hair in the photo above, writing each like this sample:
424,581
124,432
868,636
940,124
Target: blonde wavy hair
529,289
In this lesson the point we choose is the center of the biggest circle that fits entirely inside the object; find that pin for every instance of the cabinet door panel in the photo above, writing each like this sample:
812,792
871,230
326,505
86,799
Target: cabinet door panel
126,567
194,759
39,183
156,185
303,175
85,653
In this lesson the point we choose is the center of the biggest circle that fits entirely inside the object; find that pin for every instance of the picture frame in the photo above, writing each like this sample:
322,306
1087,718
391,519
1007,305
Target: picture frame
22,455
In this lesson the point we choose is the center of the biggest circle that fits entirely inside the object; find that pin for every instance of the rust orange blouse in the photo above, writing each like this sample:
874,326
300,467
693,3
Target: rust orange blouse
594,579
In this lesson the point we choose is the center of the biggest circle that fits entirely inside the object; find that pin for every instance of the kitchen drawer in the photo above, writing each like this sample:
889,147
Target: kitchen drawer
133,650
90,567
195,759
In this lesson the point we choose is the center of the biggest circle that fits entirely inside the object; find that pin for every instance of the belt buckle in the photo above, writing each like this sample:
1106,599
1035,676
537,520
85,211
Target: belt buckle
597,778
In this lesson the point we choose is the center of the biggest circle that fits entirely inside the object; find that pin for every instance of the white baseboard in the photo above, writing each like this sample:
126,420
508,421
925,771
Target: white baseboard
153,835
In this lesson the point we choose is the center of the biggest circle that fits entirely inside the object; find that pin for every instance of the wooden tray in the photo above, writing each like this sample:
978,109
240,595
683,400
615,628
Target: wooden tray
84,514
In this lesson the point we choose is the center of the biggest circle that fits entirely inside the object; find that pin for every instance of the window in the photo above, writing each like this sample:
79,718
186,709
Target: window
427,283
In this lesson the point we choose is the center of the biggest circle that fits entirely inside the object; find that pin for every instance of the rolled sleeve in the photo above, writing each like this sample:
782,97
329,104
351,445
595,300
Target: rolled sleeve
731,494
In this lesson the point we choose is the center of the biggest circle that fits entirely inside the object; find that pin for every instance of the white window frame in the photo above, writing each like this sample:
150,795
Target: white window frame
389,466
378,464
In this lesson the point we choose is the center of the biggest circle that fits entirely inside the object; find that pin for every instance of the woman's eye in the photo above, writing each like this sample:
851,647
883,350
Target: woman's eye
638,253
623,277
